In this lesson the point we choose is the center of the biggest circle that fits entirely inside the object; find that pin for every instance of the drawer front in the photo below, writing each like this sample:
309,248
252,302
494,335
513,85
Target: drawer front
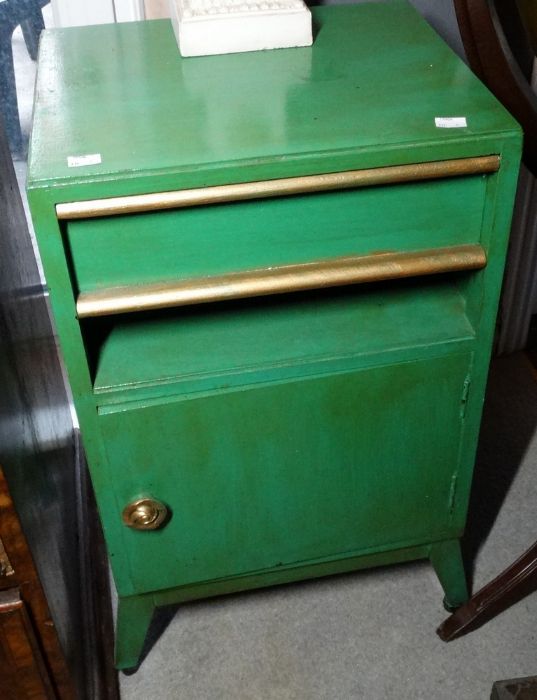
284,473
201,241
24,673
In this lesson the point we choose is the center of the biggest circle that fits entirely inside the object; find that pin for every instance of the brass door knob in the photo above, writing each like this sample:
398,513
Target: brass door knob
144,514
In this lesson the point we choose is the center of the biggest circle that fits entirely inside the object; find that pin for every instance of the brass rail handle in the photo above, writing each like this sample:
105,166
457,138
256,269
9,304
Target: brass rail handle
332,272
274,188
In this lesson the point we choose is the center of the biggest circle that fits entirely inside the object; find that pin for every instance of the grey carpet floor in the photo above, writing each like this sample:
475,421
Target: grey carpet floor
371,634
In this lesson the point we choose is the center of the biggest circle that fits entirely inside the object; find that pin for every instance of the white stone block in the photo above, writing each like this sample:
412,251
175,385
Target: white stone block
208,27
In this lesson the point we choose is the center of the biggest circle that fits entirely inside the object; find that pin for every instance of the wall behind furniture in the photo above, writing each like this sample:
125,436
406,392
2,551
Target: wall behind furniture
72,13
439,13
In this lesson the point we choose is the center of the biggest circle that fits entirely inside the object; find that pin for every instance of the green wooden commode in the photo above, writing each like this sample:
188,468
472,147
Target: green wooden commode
275,282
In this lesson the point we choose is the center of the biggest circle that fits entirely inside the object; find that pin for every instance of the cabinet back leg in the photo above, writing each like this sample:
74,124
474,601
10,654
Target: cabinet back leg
134,615
446,559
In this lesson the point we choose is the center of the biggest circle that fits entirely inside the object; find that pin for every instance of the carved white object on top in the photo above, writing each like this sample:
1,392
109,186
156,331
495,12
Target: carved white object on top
208,27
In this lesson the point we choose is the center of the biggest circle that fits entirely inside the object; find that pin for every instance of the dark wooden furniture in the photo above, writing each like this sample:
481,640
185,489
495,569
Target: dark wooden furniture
31,659
500,40
509,587
46,475
519,688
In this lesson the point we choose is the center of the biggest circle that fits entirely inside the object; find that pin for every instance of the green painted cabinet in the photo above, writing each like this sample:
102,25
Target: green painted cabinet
275,279
268,476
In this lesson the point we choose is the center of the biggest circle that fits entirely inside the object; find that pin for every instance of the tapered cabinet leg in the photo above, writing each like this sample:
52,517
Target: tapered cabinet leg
133,619
446,559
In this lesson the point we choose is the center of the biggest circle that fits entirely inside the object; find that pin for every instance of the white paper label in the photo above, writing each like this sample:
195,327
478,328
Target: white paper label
78,161
450,122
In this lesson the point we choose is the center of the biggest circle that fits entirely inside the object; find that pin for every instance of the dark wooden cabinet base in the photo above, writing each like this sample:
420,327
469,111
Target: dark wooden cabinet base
24,674
31,660
519,688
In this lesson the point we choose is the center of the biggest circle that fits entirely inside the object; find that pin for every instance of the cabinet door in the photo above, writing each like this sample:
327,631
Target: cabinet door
280,473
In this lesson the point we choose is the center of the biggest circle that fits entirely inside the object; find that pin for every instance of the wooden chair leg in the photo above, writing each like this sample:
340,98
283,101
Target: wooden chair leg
513,584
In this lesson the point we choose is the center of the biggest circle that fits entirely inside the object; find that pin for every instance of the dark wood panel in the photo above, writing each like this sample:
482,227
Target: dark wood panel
24,675
37,450
24,576
40,455
513,584
519,688
498,39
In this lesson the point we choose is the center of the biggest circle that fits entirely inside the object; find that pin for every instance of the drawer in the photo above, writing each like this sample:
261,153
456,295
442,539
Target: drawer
194,242
140,357
281,473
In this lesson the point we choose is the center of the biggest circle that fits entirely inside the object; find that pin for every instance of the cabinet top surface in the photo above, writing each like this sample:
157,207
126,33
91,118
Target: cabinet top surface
375,79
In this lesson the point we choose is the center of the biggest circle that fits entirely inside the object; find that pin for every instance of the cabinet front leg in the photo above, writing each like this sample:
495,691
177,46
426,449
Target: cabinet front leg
134,615
446,559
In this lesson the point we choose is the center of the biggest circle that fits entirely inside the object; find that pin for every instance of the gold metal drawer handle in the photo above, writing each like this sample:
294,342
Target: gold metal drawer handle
144,514
333,272
275,188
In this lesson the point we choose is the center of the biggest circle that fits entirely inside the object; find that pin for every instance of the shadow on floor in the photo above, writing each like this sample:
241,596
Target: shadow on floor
509,423
163,616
